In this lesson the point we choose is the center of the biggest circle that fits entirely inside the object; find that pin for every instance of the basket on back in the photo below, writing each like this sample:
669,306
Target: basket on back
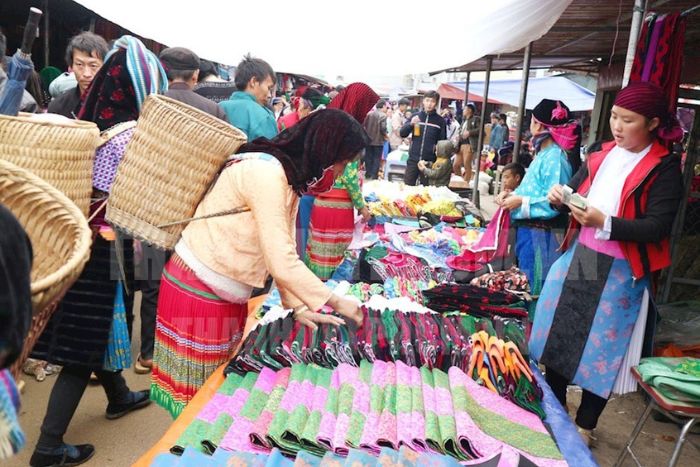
58,150
60,239
170,162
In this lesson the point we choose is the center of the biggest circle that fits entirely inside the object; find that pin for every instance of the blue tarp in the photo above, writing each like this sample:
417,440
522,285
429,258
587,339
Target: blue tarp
576,97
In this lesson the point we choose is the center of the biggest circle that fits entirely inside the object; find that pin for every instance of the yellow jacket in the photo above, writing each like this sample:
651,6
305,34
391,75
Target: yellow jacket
246,246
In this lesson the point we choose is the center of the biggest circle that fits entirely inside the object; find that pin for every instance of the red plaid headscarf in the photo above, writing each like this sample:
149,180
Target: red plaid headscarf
649,100
357,99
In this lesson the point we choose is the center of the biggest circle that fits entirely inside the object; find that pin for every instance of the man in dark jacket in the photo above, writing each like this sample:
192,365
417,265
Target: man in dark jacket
427,129
375,125
84,55
182,67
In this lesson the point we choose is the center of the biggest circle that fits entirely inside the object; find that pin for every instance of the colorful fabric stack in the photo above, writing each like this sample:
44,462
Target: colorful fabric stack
404,457
489,350
467,298
11,435
376,406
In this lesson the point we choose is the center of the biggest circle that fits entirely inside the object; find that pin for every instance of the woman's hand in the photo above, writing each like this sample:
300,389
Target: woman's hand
502,197
312,319
556,195
512,202
347,307
591,217
366,216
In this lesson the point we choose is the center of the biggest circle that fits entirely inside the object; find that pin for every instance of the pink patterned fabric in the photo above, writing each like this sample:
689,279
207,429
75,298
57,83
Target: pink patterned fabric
608,247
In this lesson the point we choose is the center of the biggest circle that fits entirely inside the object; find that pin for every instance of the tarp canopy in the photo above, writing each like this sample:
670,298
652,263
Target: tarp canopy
328,39
576,97
453,91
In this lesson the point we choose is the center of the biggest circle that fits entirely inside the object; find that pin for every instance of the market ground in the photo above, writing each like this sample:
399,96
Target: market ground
121,442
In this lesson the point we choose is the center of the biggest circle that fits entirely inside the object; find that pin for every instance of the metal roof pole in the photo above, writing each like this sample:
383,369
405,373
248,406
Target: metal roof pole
523,98
45,9
477,156
466,88
635,28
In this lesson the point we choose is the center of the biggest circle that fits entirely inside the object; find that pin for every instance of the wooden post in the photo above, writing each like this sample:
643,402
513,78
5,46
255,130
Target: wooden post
523,99
475,192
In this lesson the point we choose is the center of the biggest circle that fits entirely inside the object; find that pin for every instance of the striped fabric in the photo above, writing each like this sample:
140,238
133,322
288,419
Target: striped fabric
353,415
330,232
196,331
138,59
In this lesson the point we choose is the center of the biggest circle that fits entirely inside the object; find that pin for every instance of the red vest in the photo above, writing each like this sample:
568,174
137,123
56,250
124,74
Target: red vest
658,255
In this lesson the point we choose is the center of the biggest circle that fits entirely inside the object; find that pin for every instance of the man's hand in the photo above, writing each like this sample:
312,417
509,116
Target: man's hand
512,202
591,217
415,120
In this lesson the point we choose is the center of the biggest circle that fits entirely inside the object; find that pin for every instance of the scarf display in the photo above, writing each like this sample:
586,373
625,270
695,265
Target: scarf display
313,145
490,350
467,298
493,244
403,457
659,55
367,408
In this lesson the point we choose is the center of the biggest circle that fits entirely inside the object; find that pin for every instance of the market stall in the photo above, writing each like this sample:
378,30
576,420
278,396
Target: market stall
437,374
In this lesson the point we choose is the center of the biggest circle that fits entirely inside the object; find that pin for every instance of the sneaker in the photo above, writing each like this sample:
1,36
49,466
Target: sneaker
139,399
65,456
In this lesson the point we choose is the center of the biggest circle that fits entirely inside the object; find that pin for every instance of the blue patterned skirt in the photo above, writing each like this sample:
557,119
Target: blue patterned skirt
585,317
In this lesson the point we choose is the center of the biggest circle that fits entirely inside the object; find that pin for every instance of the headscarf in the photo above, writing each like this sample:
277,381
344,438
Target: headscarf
554,115
312,145
147,73
116,93
648,99
357,99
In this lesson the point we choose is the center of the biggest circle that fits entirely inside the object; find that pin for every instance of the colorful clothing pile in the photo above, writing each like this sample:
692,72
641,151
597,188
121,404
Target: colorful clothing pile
370,407
416,338
512,281
474,300
11,435
404,457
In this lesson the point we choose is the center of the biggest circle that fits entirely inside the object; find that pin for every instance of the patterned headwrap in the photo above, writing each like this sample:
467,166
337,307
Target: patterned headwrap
648,99
357,99
120,86
312,145
144,67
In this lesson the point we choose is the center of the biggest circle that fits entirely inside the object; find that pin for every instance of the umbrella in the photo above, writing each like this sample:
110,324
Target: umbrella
20,67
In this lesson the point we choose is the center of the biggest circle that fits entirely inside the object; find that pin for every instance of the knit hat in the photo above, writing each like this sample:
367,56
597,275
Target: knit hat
551,112
644,98
445,148
649,100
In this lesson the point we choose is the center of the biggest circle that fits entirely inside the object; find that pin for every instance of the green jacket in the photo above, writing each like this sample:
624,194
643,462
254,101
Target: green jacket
245,113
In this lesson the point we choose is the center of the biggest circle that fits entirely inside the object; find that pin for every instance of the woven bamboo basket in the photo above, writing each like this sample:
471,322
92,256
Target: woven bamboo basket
60,153
60,239
174,155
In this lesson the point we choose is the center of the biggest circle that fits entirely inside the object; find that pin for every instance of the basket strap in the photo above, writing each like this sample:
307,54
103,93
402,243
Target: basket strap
237,210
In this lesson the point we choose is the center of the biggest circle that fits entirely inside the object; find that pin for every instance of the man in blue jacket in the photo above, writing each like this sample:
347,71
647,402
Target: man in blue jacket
247,108
427,128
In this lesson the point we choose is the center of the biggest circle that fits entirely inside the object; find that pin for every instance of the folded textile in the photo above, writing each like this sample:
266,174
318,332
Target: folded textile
675,378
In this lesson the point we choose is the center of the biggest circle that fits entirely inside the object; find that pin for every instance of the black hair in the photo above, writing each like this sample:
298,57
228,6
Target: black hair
207,68
432,95
381,103
250,68
86,42
503,117
471,106
184,75
404,101
516,168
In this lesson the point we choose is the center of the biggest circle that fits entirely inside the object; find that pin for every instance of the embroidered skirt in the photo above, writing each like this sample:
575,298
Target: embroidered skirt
585,318
330,232
196,331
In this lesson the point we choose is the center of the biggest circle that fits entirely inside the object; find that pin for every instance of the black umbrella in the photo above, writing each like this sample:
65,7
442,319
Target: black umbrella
20,67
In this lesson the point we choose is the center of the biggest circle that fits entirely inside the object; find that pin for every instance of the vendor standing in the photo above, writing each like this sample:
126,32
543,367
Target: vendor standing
590,316
202,307
538,223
